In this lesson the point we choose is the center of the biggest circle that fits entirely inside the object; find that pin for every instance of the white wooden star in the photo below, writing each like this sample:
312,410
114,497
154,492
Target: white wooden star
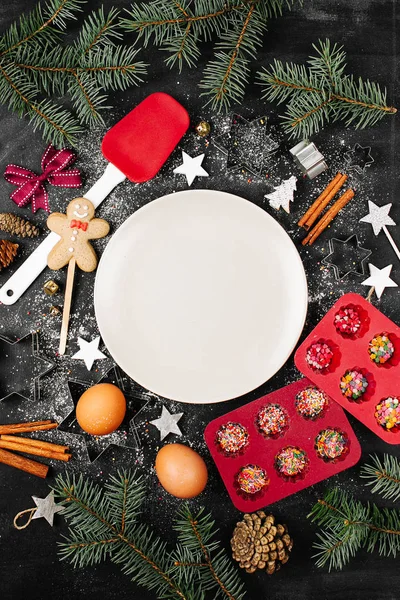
167,423
46,508
379,279
89,352
282,196
191,167
378,216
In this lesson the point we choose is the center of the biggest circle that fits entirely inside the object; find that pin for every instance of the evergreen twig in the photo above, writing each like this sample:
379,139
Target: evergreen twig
321,93
384,476
105,524
179,27
348,525
35,67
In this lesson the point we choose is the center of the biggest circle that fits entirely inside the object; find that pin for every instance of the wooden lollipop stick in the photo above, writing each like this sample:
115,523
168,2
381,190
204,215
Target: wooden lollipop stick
67,305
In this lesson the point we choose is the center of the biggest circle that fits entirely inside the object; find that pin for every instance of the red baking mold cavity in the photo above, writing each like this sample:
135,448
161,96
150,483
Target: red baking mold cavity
383,379
262,451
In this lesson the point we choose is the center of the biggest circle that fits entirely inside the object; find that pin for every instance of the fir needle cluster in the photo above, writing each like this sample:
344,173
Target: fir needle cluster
35,68
106,523
179,28
348,525
321,92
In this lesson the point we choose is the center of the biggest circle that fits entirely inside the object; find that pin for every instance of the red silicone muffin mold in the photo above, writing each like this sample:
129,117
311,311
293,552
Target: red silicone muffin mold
353,353
262,451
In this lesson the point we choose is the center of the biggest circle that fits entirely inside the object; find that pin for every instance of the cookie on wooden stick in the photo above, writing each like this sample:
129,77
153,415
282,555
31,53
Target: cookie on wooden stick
75,228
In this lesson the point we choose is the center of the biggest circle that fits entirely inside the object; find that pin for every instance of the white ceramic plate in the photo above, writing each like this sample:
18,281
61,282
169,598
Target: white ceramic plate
200,296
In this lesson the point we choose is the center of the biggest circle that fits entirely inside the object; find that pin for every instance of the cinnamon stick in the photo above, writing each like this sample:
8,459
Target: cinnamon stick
30,442
327,218
322,201
28,427
24,464
44,452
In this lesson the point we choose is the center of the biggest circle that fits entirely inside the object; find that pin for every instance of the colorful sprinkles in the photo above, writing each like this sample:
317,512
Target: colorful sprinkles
347,321
353,384
387,413
232,438
291,461
272,420
331,444
319,356
252,479
380,349
311,402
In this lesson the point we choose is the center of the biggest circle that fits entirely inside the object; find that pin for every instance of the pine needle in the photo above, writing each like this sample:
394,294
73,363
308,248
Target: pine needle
383,476
105,524
35,67
321,92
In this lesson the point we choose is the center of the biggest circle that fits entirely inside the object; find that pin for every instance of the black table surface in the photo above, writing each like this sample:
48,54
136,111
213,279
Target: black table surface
30,567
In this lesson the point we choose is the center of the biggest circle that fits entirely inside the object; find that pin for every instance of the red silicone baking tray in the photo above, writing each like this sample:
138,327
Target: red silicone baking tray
262,451
352,353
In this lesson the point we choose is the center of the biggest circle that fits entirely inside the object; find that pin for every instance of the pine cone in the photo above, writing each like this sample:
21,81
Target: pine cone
257,543
17,225
8,250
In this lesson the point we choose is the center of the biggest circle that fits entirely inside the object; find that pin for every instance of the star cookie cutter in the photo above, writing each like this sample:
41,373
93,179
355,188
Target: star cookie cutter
248,144
346,256
358,159
30,387
125,435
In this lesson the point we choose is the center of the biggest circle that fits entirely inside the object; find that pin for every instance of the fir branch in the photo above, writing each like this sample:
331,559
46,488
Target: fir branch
40,25
321,93
104,524
383,476
196,534
179,27
348,525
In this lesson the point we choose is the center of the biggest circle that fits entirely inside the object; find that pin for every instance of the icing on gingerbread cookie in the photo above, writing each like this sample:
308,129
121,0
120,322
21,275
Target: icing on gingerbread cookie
76,228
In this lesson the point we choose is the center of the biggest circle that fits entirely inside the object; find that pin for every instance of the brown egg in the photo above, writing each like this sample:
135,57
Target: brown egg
101,409
181,471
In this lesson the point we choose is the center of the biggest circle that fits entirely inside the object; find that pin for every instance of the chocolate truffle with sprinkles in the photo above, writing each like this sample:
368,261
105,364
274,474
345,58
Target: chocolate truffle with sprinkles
319,356
252,479
331,444
387,413
347,321
272,420
381,349
232,438
291,462
353,384
311,402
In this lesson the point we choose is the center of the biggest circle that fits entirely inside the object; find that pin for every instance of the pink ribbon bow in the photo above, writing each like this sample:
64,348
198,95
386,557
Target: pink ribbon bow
31,186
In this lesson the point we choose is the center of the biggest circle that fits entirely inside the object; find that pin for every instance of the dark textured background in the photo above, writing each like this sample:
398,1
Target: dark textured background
29,566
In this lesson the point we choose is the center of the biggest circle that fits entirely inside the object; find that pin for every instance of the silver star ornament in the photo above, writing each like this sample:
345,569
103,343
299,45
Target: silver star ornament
167,423
191,167
379,279
89,352
378,216
46,508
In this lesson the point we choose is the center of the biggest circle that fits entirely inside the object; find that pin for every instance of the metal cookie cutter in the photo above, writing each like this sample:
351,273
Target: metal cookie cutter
346,256
359,158
308,158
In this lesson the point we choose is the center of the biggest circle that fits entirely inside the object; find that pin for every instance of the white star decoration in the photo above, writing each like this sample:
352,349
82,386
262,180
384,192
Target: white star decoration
379,279
378,216
191,167
89,352
167,423
283,194
46,508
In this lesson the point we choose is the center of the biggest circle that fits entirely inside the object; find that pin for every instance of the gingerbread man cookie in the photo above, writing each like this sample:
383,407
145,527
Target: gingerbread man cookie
76,228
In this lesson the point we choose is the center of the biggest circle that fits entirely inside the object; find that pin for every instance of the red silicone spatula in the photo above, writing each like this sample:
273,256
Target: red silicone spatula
136,148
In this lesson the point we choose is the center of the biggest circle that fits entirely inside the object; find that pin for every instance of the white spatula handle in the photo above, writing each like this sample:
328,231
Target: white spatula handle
26,274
